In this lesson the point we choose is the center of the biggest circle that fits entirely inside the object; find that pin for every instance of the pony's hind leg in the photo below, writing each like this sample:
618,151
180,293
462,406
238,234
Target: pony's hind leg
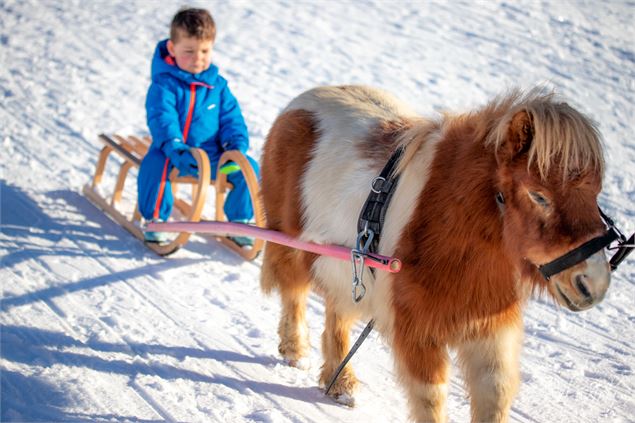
335,346
285,269
491,368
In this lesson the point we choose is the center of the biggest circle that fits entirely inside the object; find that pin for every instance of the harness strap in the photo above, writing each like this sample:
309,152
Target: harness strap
382,188
369,225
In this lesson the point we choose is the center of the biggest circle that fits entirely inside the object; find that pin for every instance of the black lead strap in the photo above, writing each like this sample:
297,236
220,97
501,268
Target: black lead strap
369,226
362,337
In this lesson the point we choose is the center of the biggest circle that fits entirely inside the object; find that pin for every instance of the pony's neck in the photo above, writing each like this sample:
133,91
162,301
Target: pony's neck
457,225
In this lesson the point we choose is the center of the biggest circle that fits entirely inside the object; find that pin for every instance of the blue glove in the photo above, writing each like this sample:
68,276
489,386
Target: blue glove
186,163
181,157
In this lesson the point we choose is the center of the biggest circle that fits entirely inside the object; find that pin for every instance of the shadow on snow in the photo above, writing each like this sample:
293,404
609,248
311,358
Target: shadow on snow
45,349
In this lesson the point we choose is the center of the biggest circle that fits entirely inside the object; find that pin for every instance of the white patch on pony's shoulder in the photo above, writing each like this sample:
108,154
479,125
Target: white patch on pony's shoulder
335,276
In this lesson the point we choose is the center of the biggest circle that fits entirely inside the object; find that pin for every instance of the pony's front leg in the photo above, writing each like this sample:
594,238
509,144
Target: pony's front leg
335,346
491,368
424,371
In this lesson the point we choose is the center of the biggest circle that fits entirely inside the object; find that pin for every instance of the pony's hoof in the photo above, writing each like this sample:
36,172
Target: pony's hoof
343,389
299,363
345,399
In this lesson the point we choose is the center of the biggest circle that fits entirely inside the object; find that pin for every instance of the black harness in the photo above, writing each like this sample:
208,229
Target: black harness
369,226
371,219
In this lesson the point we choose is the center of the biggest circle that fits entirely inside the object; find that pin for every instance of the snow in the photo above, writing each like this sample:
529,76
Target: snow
95,327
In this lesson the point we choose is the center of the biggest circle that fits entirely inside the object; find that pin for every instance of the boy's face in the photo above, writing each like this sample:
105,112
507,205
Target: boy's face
191,54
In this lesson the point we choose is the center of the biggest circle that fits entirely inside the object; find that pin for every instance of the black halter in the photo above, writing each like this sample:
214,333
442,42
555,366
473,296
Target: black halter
586,250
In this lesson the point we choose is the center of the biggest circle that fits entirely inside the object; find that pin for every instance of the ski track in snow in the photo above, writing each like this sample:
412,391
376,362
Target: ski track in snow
97,328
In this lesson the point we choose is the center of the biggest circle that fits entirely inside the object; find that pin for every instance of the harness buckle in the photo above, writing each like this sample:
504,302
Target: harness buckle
358,258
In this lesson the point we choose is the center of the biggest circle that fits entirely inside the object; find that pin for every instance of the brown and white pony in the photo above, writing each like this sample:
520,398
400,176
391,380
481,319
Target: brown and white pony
469,263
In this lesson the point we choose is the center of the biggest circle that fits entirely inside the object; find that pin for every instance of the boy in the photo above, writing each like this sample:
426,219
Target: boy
190,105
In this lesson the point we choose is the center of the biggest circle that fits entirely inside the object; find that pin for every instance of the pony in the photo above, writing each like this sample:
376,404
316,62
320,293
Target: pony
483,199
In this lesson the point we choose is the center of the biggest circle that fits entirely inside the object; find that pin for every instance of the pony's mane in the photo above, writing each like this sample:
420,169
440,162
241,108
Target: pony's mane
562,136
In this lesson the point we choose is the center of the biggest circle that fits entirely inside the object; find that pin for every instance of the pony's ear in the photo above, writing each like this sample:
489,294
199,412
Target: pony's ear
519,135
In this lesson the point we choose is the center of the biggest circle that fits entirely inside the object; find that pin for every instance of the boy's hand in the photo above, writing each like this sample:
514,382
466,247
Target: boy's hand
186,163
180,156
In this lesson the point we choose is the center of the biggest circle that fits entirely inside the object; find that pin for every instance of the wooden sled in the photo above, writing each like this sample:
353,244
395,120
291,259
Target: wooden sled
132,149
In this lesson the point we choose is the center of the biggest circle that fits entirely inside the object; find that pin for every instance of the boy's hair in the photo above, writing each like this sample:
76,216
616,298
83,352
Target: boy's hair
193,22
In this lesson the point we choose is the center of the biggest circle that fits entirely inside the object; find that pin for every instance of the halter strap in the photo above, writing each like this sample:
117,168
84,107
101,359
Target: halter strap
589,248
578,255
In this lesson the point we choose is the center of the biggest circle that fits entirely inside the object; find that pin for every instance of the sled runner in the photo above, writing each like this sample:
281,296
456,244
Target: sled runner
131,150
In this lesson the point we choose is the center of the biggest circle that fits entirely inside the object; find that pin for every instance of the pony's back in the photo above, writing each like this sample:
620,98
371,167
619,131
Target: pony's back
337,132
349,103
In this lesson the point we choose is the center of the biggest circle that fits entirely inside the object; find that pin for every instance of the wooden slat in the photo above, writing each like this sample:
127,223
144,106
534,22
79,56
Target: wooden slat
130,145
119,149
146,141
140,146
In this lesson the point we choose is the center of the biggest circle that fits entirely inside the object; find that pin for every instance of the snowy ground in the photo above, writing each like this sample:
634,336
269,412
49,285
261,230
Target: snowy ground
97,328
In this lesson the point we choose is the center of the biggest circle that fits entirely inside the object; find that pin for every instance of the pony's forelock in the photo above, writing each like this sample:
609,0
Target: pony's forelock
562,136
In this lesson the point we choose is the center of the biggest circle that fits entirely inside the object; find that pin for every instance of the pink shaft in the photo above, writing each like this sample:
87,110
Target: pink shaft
389,264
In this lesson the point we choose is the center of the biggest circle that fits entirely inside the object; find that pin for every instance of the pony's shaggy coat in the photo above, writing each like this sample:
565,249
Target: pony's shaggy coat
468,262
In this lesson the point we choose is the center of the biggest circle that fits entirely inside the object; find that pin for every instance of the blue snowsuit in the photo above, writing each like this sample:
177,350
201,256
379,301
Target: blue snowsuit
190,110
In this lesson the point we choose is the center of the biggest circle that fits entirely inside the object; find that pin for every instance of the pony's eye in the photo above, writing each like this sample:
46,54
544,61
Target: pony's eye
539,199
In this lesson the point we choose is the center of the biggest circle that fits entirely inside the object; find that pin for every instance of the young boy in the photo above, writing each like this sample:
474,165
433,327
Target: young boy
190,105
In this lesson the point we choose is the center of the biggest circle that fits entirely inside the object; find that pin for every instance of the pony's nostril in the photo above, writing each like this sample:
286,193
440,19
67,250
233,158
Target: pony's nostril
580,284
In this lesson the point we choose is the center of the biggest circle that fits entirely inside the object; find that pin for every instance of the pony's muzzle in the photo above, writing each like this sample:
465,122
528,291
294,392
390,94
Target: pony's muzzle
583,285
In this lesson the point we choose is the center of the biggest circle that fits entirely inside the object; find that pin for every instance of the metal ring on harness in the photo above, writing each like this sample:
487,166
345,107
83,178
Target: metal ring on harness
372,184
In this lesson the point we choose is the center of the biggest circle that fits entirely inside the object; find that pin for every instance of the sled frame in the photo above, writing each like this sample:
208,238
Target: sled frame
131,150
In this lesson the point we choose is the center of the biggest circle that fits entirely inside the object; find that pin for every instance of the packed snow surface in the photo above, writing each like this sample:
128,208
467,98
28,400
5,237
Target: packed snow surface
95,327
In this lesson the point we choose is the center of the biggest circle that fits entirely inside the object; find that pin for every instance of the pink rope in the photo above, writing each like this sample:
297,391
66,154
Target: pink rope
378,261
